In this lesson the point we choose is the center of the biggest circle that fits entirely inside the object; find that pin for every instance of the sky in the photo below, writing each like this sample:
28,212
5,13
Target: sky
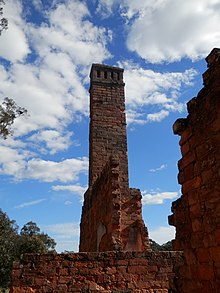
45,59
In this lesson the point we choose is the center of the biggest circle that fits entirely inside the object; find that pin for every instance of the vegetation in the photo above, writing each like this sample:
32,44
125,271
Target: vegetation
3,20
8,109
14,244
8,112
157,247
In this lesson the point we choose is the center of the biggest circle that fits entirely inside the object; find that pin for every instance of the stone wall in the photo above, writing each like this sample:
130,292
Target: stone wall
147,272
102,228
196,215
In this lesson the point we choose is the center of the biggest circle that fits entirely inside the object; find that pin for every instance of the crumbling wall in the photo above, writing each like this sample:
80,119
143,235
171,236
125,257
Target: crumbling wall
196,215
110,222
147,272
100,223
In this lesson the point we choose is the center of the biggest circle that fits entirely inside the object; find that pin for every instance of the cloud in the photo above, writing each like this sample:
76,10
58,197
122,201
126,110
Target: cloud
16,34
162,234
105,7
64,230
157,117
191,32
148,90
65,234
68,203
52,82
75,189
37,4
53,140
157,37
162,167
30,203
49,171
21,164
47,74
157,197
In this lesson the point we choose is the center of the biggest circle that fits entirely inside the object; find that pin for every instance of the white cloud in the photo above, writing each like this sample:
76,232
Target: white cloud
37,4
50,84
191,32
157,117
162,234
21,164
49,171
68,202
162,167
65,234
53,140
14,44
64,230
133,117
75,189
157,197
105,7
146,87
30,203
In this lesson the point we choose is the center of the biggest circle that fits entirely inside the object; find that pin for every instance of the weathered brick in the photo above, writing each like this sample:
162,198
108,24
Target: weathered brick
199,176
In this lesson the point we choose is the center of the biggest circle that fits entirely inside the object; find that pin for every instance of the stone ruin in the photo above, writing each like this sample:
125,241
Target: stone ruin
115,255
196,214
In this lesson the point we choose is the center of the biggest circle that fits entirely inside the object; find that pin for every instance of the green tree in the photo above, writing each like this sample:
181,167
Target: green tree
32,240
167,246
157,247
9,111
8,247
14,244
154,245
3,20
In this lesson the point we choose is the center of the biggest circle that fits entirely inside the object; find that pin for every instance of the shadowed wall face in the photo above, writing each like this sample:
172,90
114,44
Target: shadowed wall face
196,215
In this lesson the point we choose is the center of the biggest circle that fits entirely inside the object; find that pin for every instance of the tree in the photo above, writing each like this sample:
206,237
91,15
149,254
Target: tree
8,248
14,244
167,246
9,111
157,247
3,20
34,241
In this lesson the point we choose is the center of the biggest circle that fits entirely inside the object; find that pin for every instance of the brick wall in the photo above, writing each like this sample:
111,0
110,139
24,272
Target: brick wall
147,272
108,221
196,215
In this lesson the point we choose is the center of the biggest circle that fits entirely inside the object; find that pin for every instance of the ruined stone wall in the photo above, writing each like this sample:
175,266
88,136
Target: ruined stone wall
147,272
101,212
108,223
196,215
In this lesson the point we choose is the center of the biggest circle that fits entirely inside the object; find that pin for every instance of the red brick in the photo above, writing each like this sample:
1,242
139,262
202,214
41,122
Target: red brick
203,255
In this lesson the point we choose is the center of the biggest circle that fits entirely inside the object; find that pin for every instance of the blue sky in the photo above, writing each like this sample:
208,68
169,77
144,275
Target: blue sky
45,59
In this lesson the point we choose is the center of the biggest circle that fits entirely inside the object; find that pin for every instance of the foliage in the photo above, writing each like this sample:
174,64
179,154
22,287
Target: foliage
14,244
8,240
3,20
8,112
33,241
157,247
167,246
